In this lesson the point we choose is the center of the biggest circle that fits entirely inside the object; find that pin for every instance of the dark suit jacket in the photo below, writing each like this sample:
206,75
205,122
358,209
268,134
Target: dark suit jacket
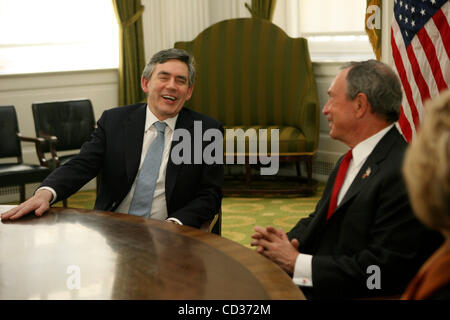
373,225
193,191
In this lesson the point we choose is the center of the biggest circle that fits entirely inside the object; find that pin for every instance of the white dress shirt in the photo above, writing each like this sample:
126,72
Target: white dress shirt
303,265
159,207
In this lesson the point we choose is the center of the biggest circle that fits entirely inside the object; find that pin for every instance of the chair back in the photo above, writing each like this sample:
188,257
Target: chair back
9,142
72,122
251,73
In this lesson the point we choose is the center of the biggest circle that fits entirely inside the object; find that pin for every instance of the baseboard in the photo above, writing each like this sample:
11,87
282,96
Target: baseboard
12,194
9,194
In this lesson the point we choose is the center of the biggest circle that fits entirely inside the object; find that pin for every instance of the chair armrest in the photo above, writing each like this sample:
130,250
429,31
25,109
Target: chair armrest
52,141
36,140
39,143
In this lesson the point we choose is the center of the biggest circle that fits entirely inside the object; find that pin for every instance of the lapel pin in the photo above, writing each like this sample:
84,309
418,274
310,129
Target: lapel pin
367,173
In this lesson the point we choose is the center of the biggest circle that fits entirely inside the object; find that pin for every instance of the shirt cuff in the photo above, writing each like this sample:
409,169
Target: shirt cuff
175,220
51,190
303,270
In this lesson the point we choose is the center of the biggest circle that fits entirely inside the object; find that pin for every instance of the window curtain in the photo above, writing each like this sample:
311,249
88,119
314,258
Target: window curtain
373,25
262,9
132,56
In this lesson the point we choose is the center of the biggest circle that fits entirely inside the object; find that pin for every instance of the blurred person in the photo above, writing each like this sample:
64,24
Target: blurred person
427,175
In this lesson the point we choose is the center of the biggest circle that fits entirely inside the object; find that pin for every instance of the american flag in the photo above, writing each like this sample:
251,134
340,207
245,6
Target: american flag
420,40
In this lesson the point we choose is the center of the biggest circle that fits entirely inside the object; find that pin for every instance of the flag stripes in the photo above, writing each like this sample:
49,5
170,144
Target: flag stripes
420,41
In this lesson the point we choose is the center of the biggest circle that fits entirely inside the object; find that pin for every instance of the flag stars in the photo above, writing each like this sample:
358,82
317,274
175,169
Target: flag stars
411,14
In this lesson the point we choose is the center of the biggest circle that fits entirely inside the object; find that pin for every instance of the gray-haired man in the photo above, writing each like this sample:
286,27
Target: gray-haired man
362,239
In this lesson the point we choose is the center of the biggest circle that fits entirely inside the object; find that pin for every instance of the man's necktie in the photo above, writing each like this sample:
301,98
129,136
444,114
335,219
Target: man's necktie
141,204
338,182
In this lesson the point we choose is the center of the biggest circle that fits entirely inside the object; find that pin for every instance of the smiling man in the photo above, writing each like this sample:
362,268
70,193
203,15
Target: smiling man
169,88
131,149
362,239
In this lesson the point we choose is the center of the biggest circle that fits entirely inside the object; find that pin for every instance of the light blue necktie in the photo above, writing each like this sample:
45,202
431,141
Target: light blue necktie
141,205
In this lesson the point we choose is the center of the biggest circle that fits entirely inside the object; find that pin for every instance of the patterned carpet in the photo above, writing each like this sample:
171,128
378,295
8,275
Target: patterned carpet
240,215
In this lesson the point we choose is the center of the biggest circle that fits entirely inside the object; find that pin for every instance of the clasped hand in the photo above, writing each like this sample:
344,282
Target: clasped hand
275,245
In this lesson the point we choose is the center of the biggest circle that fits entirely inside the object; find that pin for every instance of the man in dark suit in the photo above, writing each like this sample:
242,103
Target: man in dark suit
362,239
188,193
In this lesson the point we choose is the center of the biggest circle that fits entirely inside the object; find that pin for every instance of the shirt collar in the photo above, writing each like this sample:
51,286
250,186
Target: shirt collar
150,119
362,150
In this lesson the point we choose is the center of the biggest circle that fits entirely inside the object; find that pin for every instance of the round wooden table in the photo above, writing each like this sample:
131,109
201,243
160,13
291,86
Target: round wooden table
87,254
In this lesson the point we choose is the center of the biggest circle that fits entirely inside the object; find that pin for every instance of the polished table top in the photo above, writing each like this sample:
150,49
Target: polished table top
87,254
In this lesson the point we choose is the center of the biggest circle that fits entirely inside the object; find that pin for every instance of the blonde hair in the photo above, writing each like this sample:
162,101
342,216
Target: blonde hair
427,165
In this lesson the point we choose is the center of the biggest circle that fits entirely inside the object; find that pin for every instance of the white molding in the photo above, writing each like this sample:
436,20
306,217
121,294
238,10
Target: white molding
386,21
326,69
52,80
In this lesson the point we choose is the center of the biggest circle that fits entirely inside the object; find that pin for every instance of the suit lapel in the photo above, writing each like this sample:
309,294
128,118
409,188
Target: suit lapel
369,169
360,180
184,121
134,137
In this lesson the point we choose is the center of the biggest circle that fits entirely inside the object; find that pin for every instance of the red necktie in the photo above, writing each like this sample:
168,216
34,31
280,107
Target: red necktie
338,182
